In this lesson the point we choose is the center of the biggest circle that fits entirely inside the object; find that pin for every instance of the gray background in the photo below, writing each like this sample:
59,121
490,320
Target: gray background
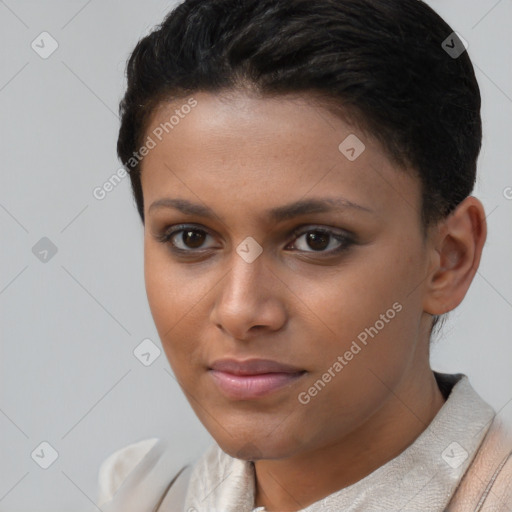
69,325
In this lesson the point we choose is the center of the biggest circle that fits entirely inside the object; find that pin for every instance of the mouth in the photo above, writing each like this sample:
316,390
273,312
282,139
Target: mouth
254,378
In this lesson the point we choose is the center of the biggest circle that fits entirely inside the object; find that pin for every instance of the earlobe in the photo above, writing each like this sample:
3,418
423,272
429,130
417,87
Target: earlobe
458,247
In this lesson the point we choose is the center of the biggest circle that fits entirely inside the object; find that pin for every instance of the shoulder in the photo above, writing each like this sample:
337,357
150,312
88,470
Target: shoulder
487,485
498,491
118,465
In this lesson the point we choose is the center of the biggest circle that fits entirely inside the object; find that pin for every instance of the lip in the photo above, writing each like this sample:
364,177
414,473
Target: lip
252,366
253,378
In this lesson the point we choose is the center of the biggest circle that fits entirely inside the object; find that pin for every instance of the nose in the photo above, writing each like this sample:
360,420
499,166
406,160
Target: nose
250,300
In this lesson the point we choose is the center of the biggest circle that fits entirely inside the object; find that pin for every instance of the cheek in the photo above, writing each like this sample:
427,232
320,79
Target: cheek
166,292
176,298
170,288
367,312
158,286
356,295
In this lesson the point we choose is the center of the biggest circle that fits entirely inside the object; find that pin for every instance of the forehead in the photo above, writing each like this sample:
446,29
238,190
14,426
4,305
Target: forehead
266,150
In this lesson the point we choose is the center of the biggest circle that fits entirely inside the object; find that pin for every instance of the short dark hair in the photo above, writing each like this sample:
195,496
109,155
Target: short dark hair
382,62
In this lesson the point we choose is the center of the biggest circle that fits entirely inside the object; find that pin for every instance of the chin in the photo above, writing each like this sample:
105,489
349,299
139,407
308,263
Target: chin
250,448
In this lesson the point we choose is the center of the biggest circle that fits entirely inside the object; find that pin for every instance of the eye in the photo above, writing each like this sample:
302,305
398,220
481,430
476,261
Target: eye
321,240
190,240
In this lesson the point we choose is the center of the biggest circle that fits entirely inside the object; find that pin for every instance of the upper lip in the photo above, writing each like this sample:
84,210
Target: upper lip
252,366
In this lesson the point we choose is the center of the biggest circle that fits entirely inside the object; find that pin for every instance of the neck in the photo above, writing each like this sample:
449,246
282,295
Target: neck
288,485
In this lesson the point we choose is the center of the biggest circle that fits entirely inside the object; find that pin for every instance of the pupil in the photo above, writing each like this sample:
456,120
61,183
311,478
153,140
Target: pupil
316,237
195,238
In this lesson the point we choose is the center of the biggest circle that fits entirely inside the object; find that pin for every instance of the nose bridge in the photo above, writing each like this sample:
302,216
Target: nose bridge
245,299
247,269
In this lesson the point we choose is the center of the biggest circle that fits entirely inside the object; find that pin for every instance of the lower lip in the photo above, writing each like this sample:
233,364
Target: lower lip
245,387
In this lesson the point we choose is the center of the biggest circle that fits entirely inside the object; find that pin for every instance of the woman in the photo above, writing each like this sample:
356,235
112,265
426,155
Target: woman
303,172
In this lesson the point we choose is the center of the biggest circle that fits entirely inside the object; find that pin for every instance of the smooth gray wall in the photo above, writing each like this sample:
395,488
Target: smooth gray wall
69,325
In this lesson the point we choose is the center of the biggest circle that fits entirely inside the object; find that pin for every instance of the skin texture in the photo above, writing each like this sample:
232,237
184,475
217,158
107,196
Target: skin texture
299,303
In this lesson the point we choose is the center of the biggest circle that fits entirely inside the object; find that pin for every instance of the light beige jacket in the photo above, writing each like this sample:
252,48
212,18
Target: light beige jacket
462,462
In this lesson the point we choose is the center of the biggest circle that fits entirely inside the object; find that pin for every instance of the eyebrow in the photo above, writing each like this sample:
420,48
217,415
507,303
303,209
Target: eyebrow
277,214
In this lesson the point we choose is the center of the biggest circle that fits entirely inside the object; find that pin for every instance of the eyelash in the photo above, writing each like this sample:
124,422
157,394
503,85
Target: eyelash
345,240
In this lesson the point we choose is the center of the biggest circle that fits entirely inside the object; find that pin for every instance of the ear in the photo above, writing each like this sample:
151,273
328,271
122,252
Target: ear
457,248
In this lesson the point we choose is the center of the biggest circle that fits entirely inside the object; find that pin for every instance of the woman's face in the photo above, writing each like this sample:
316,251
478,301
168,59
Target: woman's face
334,291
